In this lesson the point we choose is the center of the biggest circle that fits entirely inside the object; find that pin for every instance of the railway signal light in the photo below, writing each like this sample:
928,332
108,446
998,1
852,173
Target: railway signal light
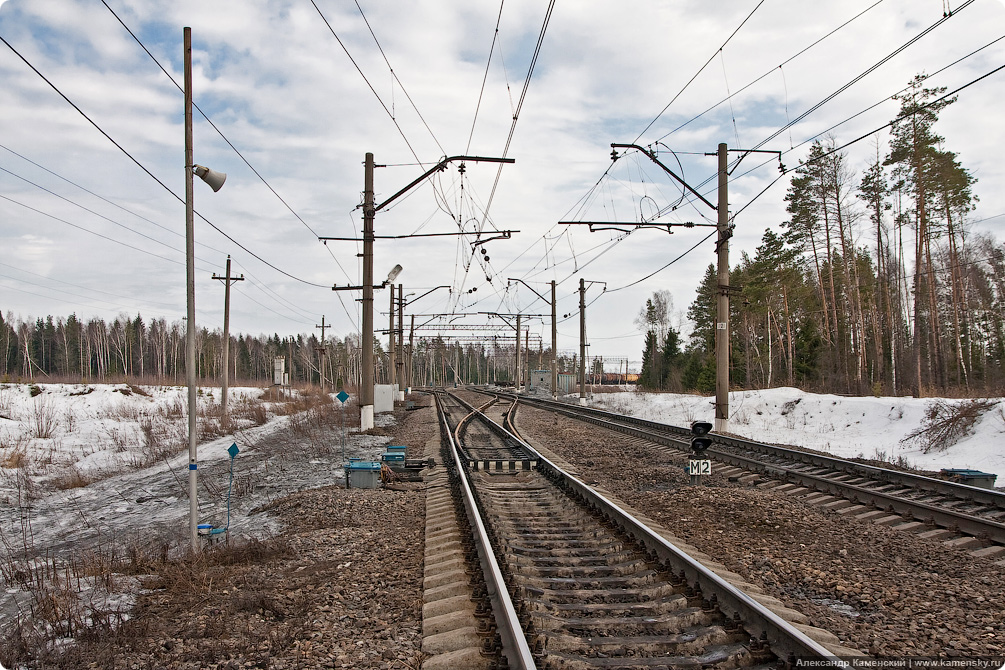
699,436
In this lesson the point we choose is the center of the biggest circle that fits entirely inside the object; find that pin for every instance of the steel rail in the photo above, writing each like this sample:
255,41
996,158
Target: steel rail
947,518
514,642
920,482
785,639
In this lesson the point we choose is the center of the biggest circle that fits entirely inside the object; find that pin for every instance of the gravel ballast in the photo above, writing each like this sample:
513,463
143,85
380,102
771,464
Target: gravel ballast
884,591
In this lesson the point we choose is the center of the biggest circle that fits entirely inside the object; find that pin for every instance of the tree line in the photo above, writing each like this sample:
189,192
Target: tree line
129,348
875,283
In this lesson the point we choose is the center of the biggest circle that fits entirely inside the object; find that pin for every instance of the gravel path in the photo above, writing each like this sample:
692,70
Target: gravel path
887,592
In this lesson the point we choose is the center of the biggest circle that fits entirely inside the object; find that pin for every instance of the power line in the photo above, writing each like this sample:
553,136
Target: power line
149,173
393,74
102,198
519,106
208,120
783,63
91,211
63,300
870,134
860,112
67,283
653,274
679,93
864,74
266,307
485,78
224,137
105,237
369,85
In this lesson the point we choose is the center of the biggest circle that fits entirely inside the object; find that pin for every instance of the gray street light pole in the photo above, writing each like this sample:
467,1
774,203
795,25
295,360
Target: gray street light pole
193,458
215,181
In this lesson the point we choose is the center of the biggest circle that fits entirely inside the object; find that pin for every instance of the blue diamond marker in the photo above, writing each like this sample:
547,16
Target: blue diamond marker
342,396
233,450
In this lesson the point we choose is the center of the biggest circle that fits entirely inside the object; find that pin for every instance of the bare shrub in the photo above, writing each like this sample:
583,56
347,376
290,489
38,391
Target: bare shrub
70,420
210,429
252,410
176,409
305,400
946,423
44,422
123,412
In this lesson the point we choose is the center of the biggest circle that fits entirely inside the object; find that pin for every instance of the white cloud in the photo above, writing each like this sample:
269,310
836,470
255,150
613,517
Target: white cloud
274,79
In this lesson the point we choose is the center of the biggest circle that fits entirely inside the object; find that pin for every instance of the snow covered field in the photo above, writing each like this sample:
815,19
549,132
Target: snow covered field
861,427
93,469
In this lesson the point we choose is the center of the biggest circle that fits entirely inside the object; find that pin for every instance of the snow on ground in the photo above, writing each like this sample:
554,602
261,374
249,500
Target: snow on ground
848,427
84,467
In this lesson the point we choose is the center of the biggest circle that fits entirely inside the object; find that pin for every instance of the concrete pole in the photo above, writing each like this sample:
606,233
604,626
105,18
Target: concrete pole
722,316
554,342
366,392
518,377
193,458
526,374
401,343
582,341
392,371
411,351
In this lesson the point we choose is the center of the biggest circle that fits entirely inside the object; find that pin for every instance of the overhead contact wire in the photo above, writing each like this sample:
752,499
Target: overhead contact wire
149,173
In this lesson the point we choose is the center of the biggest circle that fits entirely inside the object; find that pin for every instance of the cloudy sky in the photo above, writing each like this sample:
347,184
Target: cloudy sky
299,91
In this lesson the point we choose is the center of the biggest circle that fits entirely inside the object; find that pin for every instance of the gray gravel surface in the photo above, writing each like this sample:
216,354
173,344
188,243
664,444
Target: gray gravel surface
884,591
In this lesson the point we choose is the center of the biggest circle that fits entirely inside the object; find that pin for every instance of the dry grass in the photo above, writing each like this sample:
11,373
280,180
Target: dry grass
73,478
76,597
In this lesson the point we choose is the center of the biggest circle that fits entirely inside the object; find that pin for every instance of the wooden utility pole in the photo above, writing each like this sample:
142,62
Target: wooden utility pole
227,281
323,351
722,316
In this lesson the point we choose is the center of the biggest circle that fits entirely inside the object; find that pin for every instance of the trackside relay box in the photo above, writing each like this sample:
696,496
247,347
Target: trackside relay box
362,474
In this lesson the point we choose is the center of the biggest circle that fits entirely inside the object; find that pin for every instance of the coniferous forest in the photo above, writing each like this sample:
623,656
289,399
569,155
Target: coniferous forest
873,284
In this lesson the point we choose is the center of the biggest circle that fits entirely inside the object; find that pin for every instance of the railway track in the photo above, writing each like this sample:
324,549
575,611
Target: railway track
943,509
576,582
